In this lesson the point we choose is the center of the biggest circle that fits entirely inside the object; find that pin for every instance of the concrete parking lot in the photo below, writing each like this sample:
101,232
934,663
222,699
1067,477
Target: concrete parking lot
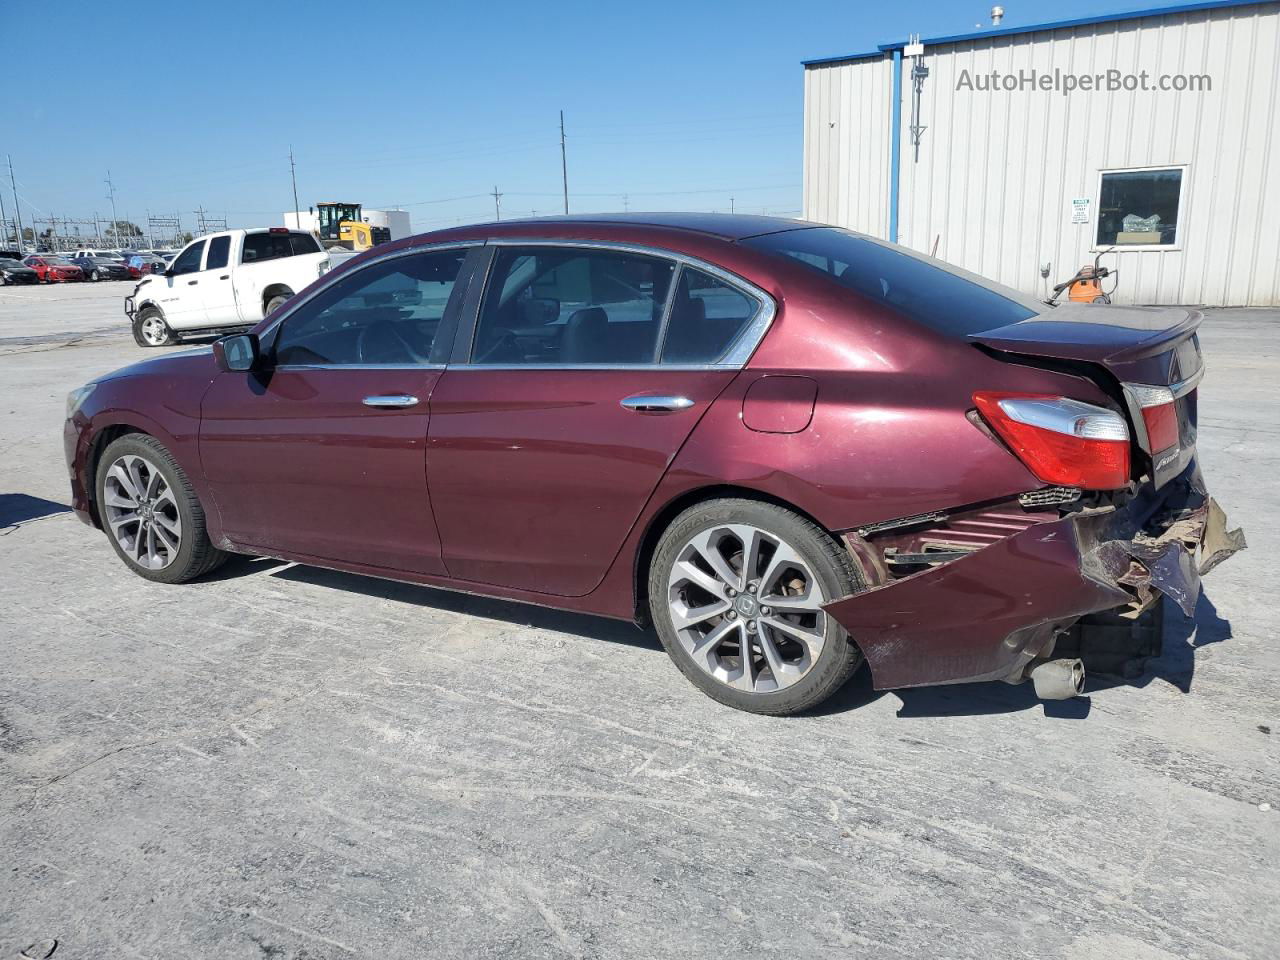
287,762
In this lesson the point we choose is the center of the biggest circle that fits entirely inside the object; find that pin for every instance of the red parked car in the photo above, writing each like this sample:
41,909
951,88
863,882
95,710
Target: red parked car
52,269
791,447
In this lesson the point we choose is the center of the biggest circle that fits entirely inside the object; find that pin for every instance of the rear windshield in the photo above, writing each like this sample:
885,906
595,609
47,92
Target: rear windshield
273,246
938,296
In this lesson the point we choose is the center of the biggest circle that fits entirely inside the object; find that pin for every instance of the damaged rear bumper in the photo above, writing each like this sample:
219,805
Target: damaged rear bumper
989,614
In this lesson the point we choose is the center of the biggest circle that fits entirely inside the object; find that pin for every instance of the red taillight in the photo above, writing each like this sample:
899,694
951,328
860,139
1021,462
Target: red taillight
1159,415
1062,441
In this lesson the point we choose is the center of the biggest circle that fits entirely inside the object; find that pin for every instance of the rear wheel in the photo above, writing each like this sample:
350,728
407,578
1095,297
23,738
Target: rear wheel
151,330
151,514
736,590
276,301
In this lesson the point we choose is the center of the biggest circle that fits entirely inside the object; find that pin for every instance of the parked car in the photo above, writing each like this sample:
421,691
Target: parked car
100,254
791,447
101,268
225,281
143,264
14,271
53,269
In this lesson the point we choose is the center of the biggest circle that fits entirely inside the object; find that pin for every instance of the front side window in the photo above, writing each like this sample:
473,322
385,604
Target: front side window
1139,208
219,253
386,313
572,306
188,261
707,315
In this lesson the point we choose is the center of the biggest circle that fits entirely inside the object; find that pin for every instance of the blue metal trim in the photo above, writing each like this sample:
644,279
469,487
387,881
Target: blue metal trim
1051,25
895,146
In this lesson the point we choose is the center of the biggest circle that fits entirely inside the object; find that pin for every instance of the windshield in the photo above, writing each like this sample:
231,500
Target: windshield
928,291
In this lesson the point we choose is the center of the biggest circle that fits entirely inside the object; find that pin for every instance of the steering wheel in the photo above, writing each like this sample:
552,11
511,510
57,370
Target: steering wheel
506,339
367,343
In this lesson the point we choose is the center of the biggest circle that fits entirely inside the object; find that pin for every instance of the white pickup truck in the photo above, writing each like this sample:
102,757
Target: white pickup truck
224,282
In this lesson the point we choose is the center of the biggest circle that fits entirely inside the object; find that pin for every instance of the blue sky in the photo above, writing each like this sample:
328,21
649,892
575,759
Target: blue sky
431,105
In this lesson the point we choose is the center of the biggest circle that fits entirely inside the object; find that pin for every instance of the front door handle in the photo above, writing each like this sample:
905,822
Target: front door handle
396,401
192,283
648,404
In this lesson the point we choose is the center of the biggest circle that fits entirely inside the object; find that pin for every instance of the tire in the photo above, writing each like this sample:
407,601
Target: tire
94,277
795,557
151,330
274,302
167,522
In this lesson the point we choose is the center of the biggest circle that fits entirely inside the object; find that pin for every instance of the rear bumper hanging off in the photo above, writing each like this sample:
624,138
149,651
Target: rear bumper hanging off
987,615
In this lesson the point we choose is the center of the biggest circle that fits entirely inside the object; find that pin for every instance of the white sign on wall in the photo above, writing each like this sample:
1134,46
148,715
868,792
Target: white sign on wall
1080,210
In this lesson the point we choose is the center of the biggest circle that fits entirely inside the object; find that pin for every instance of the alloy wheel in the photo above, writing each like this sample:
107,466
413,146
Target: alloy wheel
142,513
747,608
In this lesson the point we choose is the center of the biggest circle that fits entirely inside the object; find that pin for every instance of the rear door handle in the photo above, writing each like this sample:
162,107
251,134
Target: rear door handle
192,283
395,401
647,404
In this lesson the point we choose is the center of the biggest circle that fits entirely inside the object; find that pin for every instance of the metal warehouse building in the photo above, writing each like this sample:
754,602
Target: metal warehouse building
918,143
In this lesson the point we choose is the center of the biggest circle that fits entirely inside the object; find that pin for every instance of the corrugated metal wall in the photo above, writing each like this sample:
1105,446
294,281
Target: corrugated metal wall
997,171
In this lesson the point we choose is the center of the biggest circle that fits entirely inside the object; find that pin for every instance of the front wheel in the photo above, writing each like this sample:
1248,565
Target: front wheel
736,590
95,277
151,330
151,513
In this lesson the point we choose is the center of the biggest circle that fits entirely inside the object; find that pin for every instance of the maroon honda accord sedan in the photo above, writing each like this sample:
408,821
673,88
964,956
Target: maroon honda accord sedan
792,447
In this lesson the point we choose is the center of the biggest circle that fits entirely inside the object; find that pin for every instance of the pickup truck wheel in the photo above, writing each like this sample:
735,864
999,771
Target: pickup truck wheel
150,330
274,302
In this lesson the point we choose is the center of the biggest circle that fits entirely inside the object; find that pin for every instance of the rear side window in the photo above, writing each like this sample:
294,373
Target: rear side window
707,315
272,246
303,243
942,298
219,253
572,306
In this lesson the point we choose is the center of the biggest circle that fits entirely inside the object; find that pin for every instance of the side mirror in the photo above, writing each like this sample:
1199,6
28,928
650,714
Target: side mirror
237,353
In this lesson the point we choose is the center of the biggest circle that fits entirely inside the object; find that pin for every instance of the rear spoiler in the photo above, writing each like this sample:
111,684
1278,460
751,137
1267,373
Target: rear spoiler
1094,333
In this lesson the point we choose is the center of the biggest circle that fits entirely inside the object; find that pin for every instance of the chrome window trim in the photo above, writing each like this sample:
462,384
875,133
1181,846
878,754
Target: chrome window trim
595,366
359,366
736,354
297,303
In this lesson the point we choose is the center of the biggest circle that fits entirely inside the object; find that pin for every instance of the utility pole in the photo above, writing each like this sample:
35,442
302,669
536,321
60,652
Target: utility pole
564,166
4,230
115,218
626,204
731,204
497,204
17,210
297,215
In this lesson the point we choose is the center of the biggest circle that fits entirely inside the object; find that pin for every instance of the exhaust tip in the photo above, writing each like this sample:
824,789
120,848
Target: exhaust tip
1057,679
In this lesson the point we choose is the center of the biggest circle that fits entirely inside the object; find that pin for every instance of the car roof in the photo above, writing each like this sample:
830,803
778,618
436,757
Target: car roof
725,226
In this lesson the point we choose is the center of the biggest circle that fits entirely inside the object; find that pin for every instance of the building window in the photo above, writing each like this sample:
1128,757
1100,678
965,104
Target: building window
1139,208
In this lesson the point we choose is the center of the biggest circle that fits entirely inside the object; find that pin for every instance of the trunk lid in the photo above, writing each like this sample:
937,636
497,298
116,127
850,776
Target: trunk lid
1151,352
